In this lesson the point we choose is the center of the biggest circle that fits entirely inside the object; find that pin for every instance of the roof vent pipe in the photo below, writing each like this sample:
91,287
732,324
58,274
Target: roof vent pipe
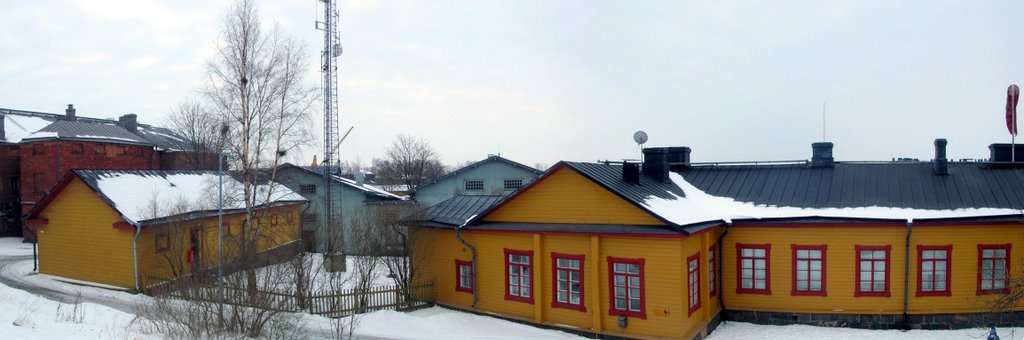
940,164
69,113
821,154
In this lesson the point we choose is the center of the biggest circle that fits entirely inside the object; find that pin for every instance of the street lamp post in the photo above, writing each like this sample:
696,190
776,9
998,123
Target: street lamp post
220,221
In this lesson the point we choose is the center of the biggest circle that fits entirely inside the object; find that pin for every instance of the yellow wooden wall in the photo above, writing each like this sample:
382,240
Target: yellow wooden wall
841,268
565,196
664,276
80,243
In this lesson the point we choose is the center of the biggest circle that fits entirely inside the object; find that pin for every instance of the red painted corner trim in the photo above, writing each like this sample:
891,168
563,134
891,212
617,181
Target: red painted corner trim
642,314
458,287
824,270
949,270
123,226
37,222
767,269
888,272
533,286
582,306
981,247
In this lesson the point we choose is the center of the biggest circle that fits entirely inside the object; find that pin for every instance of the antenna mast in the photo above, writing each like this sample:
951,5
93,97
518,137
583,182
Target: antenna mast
329,69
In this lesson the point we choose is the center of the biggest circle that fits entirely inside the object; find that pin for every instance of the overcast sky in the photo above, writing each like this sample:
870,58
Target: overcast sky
542,81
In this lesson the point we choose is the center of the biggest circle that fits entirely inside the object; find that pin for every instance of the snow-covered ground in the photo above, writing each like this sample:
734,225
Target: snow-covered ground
743,330
12,246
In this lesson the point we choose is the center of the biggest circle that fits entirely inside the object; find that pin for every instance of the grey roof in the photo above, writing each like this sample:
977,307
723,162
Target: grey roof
610,177
366,189
491,158
623,229
845,185
457,210
91,131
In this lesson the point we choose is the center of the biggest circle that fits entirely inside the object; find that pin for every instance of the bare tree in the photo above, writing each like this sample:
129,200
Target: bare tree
193,121
410,161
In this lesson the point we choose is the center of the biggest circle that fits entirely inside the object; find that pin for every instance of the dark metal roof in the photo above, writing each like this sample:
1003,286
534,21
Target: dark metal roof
457,210
91,131
845,185
491,158
610,177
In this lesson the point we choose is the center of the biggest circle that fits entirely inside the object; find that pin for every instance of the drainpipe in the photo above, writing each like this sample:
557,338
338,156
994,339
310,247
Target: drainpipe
135,255
472,252
906,273
721,294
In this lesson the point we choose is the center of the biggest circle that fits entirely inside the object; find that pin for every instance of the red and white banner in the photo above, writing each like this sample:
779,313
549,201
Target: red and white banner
1012,94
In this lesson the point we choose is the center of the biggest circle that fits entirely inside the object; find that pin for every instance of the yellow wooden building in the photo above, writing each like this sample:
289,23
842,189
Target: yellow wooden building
118,228
668,248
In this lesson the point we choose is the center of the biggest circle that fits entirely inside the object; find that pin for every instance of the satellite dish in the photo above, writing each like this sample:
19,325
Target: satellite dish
640,137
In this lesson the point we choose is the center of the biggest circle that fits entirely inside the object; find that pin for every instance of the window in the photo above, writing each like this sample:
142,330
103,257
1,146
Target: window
693,281
122,150
37,149
273,219
289,217
518,275
809,270
933,269
872,270
626,279
513,183
463,276
100,149
307,188
567,276
993,266
712,285
474,185
77,148
753,266
163,242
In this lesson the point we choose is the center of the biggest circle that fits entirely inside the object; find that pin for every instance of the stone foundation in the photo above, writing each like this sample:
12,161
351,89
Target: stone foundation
879,321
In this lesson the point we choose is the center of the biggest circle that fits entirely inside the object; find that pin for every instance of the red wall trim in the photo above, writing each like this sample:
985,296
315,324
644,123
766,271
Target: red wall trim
888,272
459,287
824,270
693,258
123,226
582,306
1006,289
713,269
470,229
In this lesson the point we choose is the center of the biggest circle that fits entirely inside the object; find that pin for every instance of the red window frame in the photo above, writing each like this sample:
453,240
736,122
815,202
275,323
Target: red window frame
712,283
767,290
921,261
795,291
289,217
529,272
693,283
612,261
580,306
459,264
162,242
887,272
1006,269
273,219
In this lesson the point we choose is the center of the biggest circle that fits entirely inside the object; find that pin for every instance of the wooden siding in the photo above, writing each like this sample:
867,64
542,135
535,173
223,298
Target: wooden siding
565,196
841,268
436,250
80,242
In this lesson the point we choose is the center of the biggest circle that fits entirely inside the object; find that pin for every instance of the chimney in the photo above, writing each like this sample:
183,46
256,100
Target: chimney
69,113
359,177
659,161
631,172
821,155
940,164
129,122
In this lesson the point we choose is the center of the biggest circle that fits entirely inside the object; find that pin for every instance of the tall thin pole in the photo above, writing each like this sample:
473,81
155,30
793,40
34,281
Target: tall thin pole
220,232
823,122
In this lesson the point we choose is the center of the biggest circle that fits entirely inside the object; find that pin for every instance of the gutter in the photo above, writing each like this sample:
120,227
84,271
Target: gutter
135,255
472,252
906,274
718,258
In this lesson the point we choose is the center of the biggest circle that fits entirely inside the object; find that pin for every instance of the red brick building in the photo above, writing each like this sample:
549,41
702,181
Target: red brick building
38,149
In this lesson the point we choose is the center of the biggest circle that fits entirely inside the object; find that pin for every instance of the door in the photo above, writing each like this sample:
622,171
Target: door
195,249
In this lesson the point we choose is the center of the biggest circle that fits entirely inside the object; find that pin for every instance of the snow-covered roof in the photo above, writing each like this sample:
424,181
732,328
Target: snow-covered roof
17,127
143,195
28,125
368,188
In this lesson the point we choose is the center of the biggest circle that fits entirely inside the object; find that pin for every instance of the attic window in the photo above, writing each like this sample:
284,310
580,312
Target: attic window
77,148
163,242
307,189
100,149
513,183
122,150
37,149
474,185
